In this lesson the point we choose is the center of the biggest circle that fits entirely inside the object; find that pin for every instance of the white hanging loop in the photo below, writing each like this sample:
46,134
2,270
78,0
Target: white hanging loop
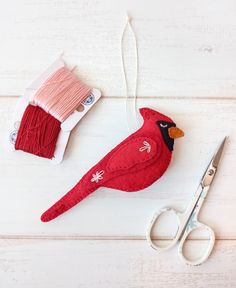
131,98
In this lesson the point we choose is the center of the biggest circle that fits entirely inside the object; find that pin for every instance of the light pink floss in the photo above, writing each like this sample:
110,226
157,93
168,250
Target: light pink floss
61,94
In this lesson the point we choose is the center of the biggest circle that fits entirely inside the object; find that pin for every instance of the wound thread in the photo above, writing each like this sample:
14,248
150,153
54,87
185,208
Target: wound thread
53,103
61,94
38,132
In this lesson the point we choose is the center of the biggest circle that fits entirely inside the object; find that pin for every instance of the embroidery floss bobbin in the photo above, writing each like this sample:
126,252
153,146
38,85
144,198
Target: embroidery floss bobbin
38,132
61,94
57,98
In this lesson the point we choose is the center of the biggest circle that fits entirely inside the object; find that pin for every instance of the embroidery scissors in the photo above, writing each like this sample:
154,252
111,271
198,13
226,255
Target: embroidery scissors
188,220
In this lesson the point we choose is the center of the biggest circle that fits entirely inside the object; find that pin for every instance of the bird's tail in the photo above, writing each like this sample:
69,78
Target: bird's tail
73,197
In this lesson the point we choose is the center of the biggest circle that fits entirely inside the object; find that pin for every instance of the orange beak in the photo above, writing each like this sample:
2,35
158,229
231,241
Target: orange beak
175,132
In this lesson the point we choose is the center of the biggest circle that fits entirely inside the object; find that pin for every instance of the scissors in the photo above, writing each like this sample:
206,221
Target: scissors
188,220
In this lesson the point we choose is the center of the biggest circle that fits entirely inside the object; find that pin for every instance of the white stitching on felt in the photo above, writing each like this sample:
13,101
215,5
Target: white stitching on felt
97,176
146,146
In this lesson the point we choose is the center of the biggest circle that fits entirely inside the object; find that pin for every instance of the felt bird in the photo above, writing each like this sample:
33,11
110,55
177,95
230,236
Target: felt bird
132,165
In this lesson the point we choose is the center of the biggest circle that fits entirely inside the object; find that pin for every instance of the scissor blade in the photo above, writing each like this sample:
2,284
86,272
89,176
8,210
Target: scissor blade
210,172
218,154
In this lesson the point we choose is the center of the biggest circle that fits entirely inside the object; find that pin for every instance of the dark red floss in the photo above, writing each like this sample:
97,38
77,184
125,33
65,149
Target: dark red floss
38,132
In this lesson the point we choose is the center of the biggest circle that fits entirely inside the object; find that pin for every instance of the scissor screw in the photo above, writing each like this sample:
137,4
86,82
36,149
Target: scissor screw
211,172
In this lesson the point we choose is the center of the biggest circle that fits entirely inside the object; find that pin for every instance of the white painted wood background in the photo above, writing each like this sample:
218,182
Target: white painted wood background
187,70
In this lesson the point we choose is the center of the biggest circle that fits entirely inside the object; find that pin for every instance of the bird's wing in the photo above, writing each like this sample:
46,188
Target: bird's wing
138,150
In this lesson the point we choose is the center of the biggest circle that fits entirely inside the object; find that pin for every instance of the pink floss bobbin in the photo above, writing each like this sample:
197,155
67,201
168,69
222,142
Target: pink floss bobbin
62,97
61,94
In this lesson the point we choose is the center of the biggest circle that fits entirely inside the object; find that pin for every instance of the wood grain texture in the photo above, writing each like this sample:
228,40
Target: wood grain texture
116,264
30,184
186,49
187,55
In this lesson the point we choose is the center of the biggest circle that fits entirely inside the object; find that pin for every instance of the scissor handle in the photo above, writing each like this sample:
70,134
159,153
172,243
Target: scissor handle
152,223
209,248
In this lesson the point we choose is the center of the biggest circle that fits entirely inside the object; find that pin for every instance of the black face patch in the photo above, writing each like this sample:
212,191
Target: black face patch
164,126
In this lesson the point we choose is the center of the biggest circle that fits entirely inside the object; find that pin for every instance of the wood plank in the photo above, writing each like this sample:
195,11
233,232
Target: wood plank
186,49
30,184
51,263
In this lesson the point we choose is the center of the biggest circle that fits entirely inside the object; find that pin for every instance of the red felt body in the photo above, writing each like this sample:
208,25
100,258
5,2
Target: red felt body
134,164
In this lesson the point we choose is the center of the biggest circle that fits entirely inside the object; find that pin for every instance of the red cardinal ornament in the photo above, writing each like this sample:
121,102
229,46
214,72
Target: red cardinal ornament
134,164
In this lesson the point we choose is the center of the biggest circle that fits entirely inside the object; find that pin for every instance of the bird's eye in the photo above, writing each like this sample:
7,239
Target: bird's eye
163,125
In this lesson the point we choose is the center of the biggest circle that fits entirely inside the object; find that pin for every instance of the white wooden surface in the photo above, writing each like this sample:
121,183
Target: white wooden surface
106,263
187,70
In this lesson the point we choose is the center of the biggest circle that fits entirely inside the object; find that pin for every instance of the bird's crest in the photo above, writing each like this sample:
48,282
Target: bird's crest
150,114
